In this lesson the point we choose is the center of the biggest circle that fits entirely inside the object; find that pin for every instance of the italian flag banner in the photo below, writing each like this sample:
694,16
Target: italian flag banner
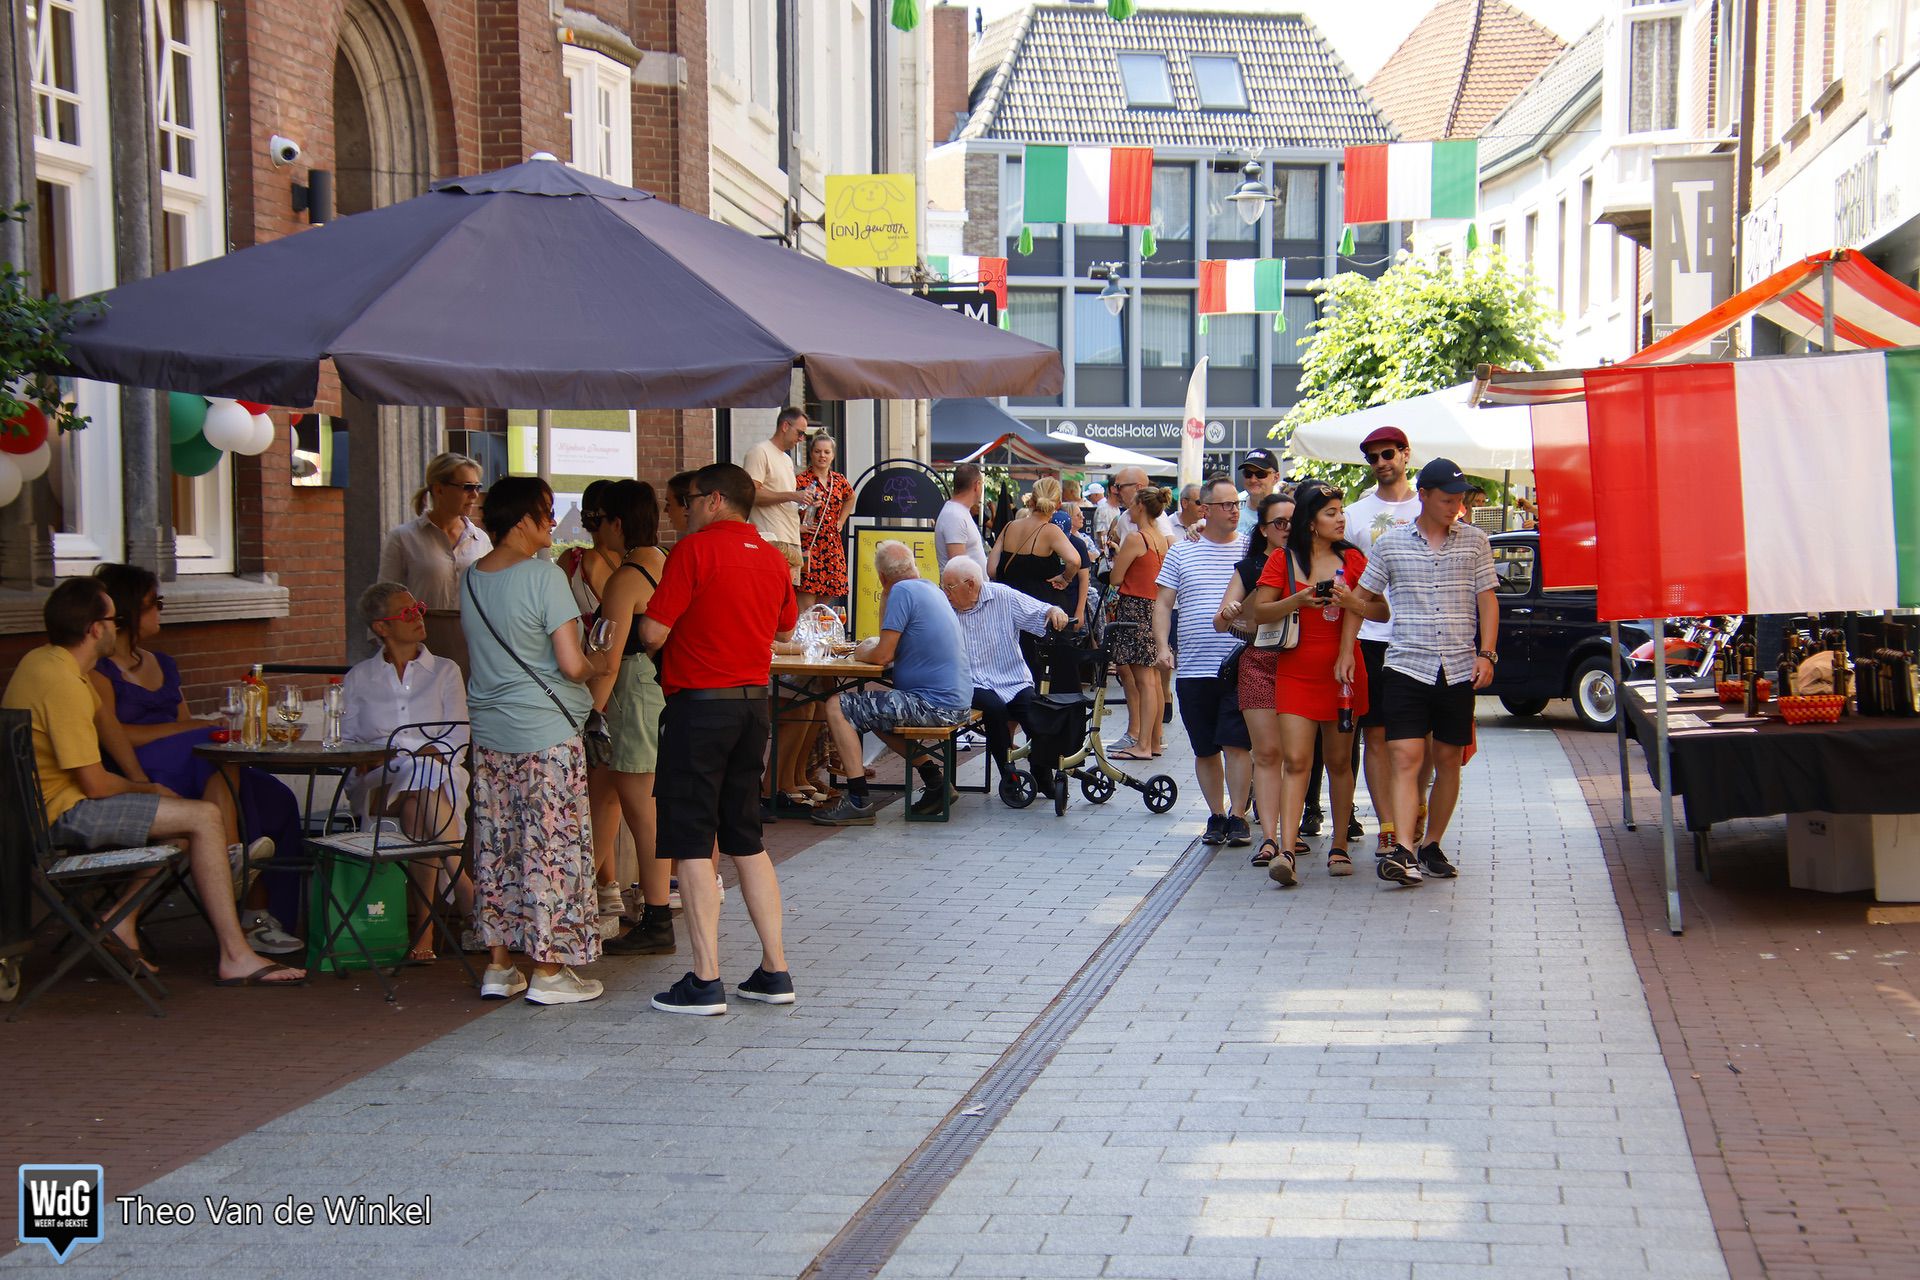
1765,486
1089,185
964,268
1405,181
1239,285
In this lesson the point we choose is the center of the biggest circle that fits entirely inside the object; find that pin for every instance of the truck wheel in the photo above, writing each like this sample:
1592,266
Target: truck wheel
1594,697
1523,706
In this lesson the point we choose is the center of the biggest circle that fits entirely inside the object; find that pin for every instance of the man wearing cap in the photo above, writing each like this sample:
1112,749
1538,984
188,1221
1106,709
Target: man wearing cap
1437,575
1259,470
1391,503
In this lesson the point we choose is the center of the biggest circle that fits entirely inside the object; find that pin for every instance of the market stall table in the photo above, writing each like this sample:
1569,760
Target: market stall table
1729,767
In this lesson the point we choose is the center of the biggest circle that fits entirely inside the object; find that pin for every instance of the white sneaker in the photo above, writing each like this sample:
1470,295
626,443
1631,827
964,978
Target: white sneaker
501,984
564,987
267,936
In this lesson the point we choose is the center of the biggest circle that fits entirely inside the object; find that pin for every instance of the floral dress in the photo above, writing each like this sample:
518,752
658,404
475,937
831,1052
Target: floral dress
824,572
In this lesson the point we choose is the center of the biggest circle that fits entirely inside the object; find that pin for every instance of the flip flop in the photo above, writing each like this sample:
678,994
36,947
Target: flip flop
1127,755
259,977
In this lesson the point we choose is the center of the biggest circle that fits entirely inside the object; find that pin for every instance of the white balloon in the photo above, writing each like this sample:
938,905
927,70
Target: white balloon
10,480
262,436
228,426
34,465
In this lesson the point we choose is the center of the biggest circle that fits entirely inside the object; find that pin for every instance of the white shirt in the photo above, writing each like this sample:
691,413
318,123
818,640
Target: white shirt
773,469
956,524
992,632
380,700
1368,517
418,557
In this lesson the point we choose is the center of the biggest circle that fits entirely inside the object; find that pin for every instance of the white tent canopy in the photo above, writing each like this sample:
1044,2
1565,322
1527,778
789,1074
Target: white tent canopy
1109,457
1441,424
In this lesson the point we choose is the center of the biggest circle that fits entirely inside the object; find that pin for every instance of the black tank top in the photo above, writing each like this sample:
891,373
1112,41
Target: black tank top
633,645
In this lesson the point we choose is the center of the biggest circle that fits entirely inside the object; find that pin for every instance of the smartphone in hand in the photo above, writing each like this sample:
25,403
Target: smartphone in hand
1323,591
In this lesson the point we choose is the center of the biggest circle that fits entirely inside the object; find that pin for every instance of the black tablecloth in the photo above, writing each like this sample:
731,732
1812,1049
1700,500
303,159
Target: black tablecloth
1862,764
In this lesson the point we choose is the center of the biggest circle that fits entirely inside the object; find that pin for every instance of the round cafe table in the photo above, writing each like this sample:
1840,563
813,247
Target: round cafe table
306,758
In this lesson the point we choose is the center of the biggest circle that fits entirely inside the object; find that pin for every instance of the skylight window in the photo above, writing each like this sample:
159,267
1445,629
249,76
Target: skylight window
1217,79
1145,77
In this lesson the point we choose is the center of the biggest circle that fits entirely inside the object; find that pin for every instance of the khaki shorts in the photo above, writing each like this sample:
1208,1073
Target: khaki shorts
791,550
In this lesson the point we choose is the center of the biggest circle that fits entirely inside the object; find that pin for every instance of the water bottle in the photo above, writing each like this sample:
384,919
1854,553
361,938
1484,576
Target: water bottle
1332,612
333,715
1345,704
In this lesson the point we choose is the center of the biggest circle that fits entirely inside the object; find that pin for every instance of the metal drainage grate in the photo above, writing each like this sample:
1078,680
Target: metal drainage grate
870,1237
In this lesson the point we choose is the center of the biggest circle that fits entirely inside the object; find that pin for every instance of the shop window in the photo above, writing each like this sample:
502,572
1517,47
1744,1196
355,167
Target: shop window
1035,314
1099,352
1166,346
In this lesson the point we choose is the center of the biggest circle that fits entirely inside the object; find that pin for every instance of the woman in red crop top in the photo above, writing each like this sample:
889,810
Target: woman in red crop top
1136,567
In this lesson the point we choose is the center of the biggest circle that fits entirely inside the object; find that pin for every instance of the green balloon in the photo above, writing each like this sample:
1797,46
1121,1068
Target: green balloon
185,414
194,456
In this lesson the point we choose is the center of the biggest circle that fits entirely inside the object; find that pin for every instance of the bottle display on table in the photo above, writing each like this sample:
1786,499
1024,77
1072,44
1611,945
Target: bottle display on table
1789,663
1749,680
1842,682
253,713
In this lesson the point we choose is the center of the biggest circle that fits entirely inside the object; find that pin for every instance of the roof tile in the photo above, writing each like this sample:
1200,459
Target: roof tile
1459,67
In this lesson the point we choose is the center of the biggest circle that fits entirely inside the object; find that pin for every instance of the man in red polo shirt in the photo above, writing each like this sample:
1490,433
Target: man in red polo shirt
724,597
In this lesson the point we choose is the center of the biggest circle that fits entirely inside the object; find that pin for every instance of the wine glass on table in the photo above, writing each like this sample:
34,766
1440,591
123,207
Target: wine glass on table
230,712
287,714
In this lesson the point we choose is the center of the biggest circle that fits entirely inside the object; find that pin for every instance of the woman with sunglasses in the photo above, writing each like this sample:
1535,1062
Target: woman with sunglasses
1273,518
1314,579
1136,570
533,877
148,733
426,554
406,684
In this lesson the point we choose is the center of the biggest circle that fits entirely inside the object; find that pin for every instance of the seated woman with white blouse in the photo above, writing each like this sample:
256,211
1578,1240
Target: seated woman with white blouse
404,684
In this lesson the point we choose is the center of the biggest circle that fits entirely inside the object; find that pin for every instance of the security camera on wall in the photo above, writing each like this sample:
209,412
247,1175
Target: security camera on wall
283,150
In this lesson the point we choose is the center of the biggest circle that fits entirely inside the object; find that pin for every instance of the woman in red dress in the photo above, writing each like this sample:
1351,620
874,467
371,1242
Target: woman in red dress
823,572
1307,678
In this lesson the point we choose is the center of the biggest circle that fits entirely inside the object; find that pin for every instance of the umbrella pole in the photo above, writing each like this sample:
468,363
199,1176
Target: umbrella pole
543,442
1668,864
1620,730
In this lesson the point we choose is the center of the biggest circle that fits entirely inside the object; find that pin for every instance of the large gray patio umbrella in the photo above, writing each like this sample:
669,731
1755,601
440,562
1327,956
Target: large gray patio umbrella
538,286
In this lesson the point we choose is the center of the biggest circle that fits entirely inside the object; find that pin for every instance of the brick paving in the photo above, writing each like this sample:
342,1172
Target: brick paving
1788,1020
1346,1080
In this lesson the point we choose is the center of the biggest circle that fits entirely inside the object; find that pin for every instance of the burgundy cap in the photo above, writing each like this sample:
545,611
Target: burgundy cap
1385,435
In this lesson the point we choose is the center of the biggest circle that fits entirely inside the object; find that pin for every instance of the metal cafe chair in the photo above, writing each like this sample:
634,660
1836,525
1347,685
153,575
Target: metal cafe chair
425,756
80,889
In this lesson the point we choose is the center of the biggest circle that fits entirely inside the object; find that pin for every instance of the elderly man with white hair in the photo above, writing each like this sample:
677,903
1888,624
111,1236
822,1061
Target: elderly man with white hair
920,639
992,616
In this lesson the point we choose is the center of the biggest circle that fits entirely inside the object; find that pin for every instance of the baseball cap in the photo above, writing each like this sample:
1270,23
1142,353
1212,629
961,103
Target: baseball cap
1385,435
1261,458
1441,474
1095,489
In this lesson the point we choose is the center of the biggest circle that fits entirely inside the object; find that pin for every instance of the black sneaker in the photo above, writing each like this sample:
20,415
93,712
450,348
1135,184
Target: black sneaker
1310,822
1434,863
690,995
1216,832
846,812
768,988
1238,834
1355,832
1398,867
652,936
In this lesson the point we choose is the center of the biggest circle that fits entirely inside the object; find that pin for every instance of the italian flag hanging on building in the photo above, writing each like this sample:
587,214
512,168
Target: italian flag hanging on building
1762,486
1408,181
1089,185
1238,286
963,268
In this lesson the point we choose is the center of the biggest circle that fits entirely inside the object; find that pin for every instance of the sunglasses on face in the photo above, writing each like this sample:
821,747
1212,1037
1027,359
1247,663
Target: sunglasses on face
1381,456
1254,473
414,610
474,487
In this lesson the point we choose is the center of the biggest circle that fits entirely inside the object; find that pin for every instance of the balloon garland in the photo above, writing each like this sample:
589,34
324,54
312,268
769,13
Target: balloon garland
199,430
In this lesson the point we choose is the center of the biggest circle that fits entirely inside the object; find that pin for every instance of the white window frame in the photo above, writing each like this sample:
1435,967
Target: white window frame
200,201
1632,14
91,456
599,114
1240,76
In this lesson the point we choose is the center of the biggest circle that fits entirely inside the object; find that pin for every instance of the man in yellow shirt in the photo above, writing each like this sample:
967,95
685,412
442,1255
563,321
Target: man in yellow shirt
90,808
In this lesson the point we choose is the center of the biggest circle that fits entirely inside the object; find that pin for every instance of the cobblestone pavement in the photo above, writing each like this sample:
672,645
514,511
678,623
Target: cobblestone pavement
1790,1021
1347,1079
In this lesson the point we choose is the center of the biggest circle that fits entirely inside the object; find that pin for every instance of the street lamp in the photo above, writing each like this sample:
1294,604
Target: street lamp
1115,294
1251,196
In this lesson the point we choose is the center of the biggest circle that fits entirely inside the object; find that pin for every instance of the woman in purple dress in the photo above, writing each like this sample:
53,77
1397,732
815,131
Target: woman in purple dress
145,729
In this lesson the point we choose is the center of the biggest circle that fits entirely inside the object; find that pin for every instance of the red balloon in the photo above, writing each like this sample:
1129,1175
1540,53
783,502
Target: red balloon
35,422
252,407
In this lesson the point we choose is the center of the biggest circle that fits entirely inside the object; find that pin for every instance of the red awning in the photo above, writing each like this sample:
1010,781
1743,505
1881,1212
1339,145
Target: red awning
1871,310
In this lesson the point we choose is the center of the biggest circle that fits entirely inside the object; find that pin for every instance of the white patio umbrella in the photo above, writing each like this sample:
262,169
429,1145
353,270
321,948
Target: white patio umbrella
1111,457
1492,442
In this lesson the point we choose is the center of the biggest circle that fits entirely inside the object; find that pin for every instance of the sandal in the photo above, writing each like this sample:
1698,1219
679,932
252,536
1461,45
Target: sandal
1338,863
132,959
422,955
1301,848
1268,849
1282,872
1128,754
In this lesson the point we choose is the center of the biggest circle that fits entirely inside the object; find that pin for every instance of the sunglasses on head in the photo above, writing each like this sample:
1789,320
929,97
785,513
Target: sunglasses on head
1381,456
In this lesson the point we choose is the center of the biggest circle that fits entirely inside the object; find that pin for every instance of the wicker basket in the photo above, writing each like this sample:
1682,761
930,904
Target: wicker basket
1815,708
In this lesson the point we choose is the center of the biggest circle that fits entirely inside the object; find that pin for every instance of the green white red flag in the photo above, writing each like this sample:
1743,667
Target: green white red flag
1089,185
1763,486
1233,286
964,268
1407,181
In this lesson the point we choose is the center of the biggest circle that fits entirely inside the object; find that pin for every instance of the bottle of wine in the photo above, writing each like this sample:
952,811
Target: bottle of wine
1750,679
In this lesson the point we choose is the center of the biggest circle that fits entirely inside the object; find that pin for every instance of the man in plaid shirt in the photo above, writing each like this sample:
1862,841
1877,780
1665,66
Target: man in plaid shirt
1439,572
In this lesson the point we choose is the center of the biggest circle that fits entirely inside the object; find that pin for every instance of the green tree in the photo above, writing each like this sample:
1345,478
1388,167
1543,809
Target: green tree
1421,326
33,333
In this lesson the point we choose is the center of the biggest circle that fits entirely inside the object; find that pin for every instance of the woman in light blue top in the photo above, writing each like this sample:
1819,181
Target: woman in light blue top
532,838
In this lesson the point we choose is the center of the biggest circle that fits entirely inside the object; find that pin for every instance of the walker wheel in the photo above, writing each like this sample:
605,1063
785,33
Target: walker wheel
1060,793
9,979
1096,787
1161,793
1016,789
